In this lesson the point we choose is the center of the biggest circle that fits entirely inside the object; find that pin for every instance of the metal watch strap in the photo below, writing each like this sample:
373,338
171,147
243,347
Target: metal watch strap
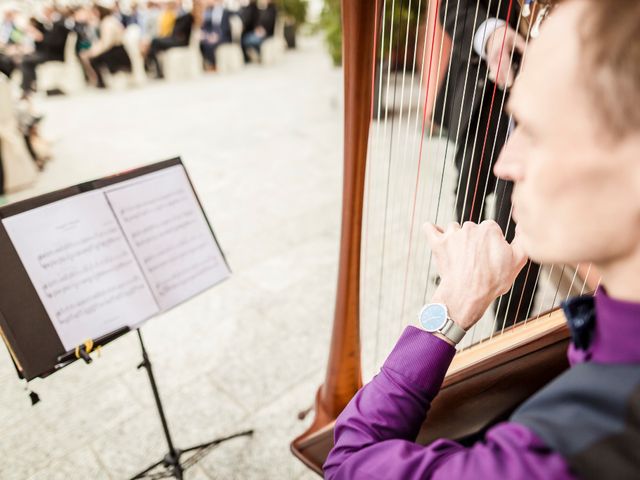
452,331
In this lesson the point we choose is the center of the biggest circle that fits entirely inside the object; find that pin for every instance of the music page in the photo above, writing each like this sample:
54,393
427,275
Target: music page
82,267
168,232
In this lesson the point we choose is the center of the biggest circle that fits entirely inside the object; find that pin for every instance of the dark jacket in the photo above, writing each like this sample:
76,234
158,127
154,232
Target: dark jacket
54,39
223,29
182,28
267,19
465,24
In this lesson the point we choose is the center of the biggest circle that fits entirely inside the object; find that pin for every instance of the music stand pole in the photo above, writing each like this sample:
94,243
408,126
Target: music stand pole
171,461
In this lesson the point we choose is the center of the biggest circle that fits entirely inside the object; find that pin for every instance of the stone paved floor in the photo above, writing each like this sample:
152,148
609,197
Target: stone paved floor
264,150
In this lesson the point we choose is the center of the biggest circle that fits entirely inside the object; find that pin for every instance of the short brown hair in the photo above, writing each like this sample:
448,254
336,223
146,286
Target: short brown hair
610,34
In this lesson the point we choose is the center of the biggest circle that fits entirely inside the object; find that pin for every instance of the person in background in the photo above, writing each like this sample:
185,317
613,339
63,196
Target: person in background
85,26
11,41
264,28
50,38
249,16
174,31
149,20
108,52
215,30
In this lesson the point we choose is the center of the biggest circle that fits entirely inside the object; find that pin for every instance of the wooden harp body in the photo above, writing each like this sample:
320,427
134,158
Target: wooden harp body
487,381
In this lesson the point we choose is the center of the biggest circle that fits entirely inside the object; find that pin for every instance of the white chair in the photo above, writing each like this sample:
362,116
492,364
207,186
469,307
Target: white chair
183,63
66,75
273,48
131,42
18,167
229,56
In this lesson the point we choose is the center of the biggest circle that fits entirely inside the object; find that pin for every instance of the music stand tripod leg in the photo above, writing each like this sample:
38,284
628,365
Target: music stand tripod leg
171,461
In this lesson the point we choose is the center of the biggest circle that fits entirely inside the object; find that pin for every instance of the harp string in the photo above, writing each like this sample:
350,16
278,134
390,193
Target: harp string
420,149
500,182
466,140
388,210
493,97
383,127
378,313
462,168
369,164
423,191
407,128
448,142
403,187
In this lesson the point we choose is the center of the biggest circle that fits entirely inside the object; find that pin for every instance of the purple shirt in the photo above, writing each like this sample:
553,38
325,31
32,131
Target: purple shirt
375,434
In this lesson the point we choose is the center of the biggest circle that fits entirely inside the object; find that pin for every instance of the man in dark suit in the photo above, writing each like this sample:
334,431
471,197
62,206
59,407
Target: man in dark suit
50,37
474,118
179,37
215,30
264,27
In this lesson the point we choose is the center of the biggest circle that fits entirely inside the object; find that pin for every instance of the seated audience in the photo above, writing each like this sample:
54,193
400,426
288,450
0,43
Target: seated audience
50,37
11,39
108,51
174,31
215,30
264,27
85,26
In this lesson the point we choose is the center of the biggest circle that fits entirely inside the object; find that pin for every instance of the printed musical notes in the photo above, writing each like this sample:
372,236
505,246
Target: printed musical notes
116,256
81,267
169,234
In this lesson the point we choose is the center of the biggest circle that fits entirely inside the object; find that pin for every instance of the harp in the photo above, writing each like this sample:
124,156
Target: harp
400,170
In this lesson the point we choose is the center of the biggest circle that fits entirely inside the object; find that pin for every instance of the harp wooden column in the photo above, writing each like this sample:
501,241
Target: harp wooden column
344,377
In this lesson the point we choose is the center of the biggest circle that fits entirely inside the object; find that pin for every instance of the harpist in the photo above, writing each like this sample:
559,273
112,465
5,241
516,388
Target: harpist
575,160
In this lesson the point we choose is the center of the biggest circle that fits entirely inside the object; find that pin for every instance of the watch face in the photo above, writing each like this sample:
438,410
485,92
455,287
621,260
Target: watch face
433,317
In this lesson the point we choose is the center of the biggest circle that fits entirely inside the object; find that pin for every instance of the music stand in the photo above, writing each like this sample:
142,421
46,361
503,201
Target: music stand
171,461
89,263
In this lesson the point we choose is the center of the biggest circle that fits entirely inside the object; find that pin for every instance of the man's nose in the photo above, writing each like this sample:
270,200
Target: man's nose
509,165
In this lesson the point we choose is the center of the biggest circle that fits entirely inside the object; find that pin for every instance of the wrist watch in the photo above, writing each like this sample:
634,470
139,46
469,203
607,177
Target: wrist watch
434,318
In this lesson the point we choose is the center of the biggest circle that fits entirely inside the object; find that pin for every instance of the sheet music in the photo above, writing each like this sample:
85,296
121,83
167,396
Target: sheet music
82,267
164,224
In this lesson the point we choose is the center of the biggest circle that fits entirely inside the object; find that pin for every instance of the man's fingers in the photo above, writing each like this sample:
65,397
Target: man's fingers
519,43
452,227
434,232
519,254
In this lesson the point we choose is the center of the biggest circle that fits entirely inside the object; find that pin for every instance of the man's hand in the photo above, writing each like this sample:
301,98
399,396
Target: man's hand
497,54
476,265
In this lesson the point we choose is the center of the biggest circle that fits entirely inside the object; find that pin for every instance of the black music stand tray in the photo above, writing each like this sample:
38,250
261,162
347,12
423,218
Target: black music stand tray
170,465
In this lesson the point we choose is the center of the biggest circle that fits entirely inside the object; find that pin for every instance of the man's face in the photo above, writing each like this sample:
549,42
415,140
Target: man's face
577,192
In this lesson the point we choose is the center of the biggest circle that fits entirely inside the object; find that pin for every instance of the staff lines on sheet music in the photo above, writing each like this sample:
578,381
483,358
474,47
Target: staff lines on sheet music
153,226
160,206
170,248
77,307
67,254
166,286
181,254
70,279
171,229
164,198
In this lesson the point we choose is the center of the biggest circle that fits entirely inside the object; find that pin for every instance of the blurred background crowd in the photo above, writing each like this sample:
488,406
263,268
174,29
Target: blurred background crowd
55,48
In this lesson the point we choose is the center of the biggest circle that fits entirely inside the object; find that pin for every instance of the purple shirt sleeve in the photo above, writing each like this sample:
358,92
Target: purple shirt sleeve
375,434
